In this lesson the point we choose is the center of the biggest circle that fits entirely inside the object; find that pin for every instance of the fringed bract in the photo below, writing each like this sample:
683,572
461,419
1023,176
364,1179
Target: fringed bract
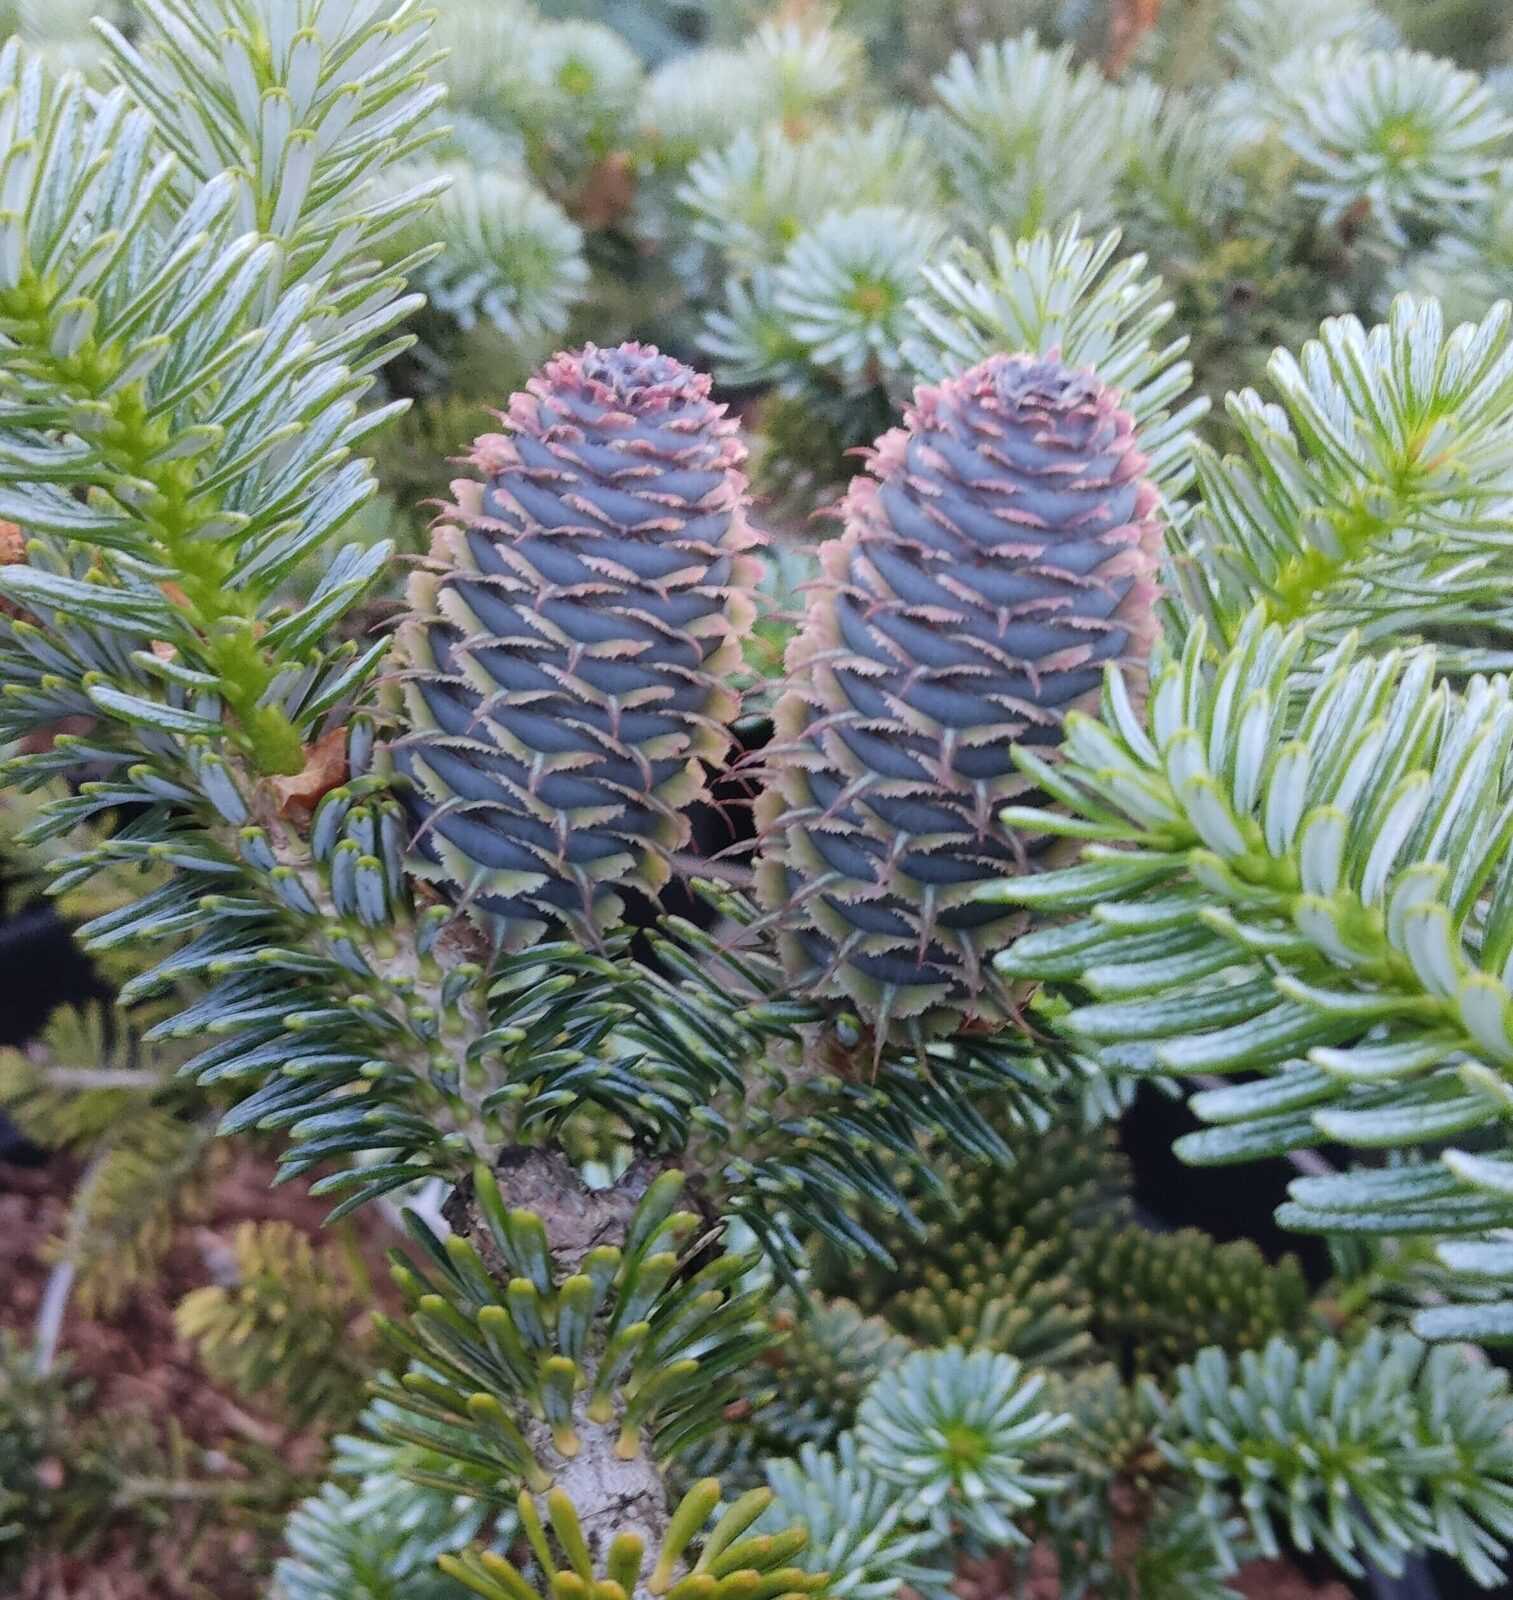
568,659
1002,550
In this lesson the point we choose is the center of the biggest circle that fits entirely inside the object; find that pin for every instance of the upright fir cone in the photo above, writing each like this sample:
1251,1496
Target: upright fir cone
1003,549
568,656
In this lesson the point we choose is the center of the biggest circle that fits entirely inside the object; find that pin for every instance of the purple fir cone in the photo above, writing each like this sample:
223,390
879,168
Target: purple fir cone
567,660
1004,548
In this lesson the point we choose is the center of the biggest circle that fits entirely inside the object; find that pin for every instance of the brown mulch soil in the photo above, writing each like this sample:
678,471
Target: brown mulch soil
1275,1580
240,1451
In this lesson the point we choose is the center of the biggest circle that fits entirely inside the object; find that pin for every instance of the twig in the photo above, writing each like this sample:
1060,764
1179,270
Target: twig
49,1326
60,1282
102,1078
134,1490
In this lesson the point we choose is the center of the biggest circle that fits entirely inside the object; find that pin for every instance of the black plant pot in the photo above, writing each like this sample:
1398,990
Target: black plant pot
16,1150
1422,1580
1171,1194
41,968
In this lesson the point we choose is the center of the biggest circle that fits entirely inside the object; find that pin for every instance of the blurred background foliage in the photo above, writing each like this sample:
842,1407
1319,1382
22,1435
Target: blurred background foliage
770,189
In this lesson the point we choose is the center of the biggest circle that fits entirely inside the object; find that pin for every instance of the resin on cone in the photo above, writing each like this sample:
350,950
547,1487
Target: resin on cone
568,660
1002,550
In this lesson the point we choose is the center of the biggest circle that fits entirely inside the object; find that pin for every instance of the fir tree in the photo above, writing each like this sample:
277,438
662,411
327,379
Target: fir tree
1106,755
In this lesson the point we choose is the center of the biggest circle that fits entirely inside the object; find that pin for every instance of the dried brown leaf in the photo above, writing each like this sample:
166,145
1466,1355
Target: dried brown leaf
325,767
1129,22
12,553
607,193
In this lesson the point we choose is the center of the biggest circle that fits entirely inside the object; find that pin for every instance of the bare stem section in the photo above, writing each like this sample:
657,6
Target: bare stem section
590,1446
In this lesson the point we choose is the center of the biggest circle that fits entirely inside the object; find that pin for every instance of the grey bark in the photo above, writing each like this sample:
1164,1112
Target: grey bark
611,1495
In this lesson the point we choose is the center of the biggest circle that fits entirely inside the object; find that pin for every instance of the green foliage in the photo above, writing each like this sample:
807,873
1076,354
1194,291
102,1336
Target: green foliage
510,255
1183,184
291,1323
1159,1298
72,1089
1249,163
753,197
60,32
378,1541
208,387
76,1481
997,1265
1295,832
251,950
803,1393
774,112
204,379
571,87
1472,31
954,1429
697,100
1009,114
911,40
199,405
1308,855
841,294
1404,136
1011,1296
372,1532
1301,1445
1469,267
1109,1435
781,73
1053,1185
808,66
616,1342
1174,1559
817,1131
856,1523
147,1175
531,106
434,429
722,1563
1373,476
1115,1481
1261,34
820,1371
35,1418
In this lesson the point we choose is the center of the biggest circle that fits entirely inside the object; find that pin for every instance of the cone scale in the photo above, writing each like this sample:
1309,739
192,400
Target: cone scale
568,660
1001,550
